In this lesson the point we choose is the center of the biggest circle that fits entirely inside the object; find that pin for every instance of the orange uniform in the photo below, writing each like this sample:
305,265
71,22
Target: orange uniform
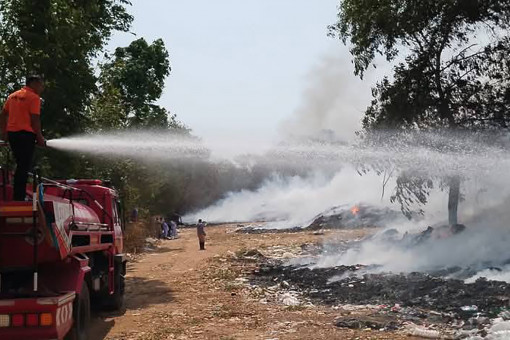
19,109
20,106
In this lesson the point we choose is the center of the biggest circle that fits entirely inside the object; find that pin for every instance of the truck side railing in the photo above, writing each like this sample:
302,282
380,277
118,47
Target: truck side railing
35,180
38,184
68,190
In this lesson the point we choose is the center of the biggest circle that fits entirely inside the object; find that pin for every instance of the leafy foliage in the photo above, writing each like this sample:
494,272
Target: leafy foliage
411,189
452,68
61,40
131,81
58,39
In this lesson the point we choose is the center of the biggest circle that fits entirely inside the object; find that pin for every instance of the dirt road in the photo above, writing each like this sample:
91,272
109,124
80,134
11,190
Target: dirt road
179,292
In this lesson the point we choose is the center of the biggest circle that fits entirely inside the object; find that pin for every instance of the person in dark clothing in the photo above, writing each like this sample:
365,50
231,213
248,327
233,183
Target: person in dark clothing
165,228
201,234
21,126
134,215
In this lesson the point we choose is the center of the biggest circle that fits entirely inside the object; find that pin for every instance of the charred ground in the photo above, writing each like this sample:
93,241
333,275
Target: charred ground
407,290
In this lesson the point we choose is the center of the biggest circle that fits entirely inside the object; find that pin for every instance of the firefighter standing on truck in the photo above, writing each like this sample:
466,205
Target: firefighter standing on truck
21,126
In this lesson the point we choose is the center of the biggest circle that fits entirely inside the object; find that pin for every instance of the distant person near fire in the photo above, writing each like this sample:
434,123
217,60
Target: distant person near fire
134,215
164,228
173,229
201,234
20,125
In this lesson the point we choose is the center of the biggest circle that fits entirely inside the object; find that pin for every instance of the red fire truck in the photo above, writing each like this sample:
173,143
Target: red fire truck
60,252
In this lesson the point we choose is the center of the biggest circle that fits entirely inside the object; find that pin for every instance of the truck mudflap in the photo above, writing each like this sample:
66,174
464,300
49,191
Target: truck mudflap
36,318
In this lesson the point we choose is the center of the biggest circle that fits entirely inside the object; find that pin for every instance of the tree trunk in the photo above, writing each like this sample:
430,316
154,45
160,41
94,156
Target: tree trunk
453,200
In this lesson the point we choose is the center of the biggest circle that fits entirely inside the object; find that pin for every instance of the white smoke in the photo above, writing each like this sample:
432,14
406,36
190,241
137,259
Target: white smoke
480,251
495,274
294,201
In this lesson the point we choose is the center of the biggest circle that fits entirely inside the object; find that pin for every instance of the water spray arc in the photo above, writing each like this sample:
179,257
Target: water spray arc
288,201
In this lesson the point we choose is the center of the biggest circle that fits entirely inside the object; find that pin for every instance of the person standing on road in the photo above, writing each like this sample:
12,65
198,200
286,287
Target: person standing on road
20,125
164,226
134,215
201,234
173,229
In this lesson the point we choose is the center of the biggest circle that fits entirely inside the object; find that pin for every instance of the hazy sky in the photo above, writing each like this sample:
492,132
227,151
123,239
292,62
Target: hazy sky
237,65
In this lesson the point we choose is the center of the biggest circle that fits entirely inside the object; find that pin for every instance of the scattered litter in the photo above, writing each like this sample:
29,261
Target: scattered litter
415,330
505,315
366,323
289,299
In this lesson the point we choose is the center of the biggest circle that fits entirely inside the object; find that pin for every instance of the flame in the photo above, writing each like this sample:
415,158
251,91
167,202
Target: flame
355,210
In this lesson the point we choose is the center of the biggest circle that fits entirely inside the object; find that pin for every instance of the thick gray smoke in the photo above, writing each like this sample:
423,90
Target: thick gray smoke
334,102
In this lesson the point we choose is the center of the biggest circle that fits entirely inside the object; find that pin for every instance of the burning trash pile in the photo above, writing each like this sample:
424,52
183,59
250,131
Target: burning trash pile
342,217
355,217
260,229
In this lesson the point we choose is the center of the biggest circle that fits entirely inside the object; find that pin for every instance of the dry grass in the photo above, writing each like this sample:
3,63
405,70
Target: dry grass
225,274
134,237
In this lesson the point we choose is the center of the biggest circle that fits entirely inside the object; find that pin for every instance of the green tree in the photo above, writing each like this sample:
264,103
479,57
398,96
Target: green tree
454,73
131,81
62,40
58,39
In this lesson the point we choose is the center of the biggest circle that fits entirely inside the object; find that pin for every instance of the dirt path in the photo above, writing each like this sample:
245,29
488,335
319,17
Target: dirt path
179,292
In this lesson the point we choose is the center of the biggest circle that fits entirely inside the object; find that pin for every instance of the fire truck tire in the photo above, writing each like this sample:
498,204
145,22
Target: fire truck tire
116,300
81,316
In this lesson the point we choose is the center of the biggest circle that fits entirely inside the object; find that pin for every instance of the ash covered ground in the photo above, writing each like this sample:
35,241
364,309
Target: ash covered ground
407,290
436,302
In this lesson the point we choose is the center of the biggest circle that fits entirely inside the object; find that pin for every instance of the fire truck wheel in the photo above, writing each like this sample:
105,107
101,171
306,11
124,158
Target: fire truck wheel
81,316
116,300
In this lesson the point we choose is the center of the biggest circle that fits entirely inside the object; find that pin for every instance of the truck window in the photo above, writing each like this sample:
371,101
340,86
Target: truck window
115,212
120,211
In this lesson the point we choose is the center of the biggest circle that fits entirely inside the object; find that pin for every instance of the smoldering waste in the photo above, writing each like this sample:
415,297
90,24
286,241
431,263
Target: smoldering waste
407,290
466,310
345,217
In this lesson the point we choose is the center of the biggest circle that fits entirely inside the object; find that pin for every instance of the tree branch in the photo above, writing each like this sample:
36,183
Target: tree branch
455,59
386,179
